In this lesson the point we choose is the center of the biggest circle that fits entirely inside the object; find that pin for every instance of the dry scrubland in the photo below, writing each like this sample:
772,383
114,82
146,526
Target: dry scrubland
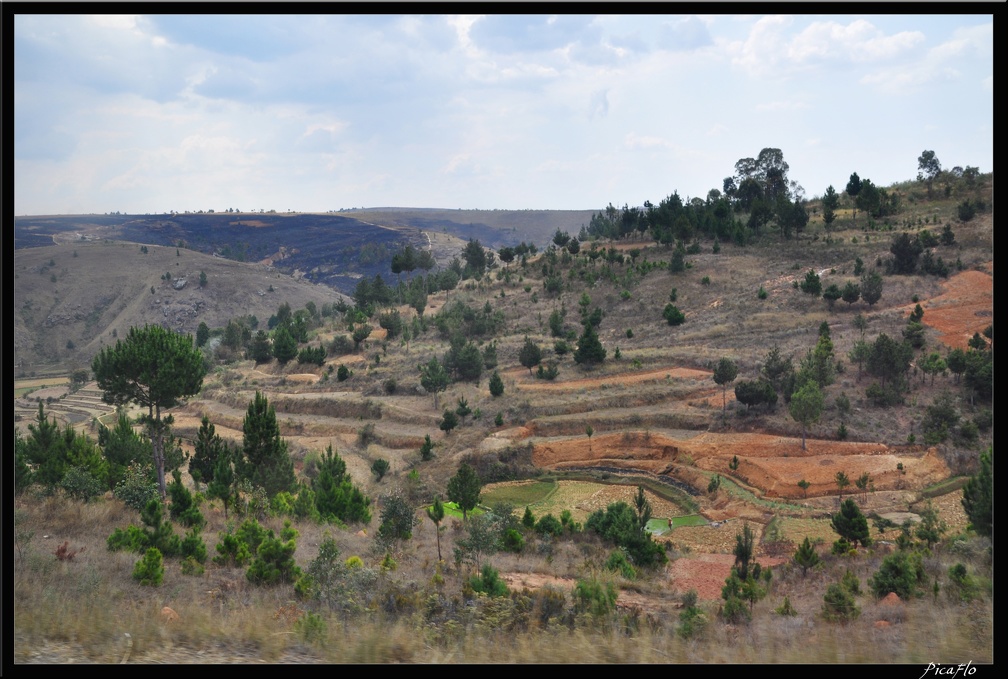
655,413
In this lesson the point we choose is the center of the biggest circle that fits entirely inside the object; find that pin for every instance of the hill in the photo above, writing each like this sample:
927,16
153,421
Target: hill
648,413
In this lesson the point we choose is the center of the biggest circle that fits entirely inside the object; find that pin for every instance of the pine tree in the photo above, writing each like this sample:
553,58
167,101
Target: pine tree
464,489
284,344
222,485
436,514
806,556
978,497
208,448
266,461
154,368
496,384
427,449
590,350
121,447
335,495
530,354
850,524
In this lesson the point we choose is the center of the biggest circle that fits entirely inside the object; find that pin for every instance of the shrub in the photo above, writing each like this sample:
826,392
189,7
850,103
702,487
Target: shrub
343,373
496,384
594,597
811,285
786,609
901,572
273,562
512,541
549,525
190,566
150,569
762,294
673,315
617,562
528,520
130,539
193,547
488,582
692,621
80,484
311,627
340,345
961,584
379,468
838,604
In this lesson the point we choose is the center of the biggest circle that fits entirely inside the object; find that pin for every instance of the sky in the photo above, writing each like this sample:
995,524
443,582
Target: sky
159,113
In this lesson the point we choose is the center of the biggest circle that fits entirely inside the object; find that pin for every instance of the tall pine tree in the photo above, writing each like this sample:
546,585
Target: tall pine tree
266,461
208,448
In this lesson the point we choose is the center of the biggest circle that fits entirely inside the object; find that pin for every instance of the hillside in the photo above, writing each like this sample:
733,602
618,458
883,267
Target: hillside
650,413
73,298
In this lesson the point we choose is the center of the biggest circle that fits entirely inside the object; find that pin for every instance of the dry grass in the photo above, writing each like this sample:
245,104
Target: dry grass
660,386
223,618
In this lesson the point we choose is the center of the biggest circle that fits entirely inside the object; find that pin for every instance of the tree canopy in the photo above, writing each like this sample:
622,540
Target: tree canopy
850,524
725,373
266,461
464,489
155,368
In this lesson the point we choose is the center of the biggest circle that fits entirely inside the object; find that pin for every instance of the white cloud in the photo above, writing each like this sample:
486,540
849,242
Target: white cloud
782,106
150,112
635,141
598,104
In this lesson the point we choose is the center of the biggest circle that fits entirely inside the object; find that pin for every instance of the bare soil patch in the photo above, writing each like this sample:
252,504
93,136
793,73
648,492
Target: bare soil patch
965,307
771,465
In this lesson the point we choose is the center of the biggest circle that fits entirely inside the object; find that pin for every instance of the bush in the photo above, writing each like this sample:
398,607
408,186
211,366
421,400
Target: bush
80,484
340,345
618,563
595,597
130,539
190,566
901,572
150,569
273,562
692,622
379,468
343,373
316,355
673,315
549,525
961,584
488,582
193,547
838,604
512,541
811,285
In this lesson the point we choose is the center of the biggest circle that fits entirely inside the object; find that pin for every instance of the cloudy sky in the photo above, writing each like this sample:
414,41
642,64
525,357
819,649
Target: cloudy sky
314,113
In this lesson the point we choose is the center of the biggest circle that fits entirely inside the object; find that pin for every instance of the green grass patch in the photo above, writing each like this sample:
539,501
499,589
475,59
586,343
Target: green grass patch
452,510
691,520
520,495
663,526
658,526
944,487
